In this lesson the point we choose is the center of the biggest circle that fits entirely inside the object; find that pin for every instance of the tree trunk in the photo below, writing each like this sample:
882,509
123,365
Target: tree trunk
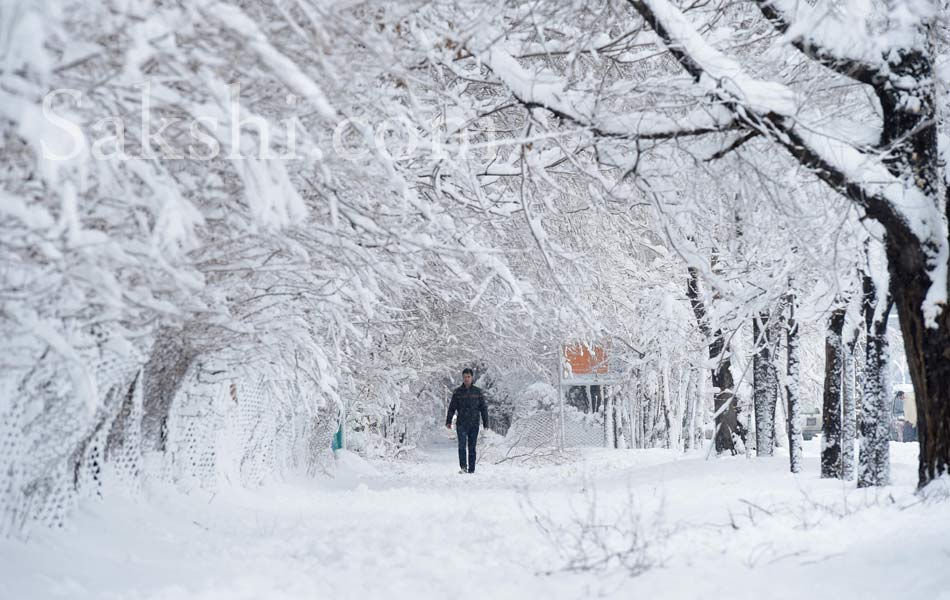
635,410
682,406
724,403
646,413
909,134
792,390
610,428
616,402
667,421
831,401
764,385
163,374
689,418
849,421
727,424
874,452
928,356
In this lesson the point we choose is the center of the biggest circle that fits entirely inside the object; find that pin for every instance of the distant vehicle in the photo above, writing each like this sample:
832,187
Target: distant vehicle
904,414
811,425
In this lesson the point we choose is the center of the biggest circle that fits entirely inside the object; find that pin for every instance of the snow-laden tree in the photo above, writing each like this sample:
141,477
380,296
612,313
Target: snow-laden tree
156,215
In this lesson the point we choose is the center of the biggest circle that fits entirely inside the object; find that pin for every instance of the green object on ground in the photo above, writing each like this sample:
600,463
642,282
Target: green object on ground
338,438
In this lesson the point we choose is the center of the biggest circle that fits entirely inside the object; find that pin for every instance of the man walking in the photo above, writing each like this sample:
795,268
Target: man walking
469,402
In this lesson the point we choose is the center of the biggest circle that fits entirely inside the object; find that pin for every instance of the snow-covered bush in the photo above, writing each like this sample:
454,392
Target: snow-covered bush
538,396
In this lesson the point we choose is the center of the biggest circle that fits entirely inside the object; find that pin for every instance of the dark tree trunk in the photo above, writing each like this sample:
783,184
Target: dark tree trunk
831,401
724,404
928,356
874,453
792,390
727,424
610,418
910,135
764,384
121,430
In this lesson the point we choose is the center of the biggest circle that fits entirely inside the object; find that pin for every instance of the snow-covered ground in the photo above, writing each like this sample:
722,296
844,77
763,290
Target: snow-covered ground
722,528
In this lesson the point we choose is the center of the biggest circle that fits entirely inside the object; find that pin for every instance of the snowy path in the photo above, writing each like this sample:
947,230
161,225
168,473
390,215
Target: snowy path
727,528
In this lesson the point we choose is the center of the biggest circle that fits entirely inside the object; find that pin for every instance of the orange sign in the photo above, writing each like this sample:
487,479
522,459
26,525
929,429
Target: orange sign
586,360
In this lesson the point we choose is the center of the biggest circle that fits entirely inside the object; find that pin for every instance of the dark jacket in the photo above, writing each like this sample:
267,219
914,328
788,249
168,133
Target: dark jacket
469,403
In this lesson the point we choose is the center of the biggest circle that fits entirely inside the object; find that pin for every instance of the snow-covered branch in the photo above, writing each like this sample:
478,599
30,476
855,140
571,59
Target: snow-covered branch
543,89
819,32
771,108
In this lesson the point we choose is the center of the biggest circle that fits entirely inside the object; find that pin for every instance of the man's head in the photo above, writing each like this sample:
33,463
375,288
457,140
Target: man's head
467,376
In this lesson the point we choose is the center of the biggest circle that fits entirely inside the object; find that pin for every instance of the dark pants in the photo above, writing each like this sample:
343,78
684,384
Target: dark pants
468,438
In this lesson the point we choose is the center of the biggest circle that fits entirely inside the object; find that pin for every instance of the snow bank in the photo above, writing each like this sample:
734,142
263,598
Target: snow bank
730,527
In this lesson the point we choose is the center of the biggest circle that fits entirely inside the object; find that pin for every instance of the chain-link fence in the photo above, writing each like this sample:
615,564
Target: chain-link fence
543,430
64,432
246,432
58,447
